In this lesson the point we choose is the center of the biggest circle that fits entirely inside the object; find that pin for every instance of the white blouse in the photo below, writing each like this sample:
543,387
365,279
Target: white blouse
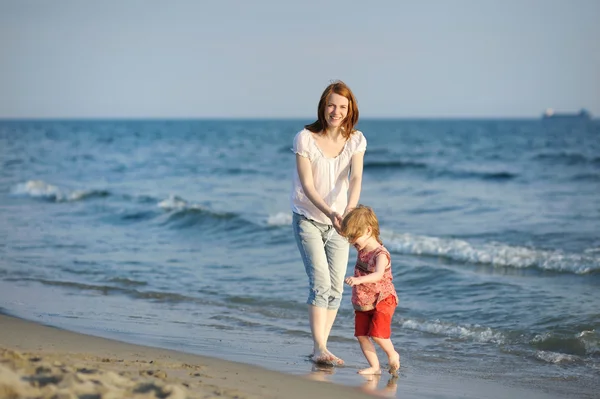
330,175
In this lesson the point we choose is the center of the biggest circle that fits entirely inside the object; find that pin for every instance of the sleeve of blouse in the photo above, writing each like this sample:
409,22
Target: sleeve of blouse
361,145
301,144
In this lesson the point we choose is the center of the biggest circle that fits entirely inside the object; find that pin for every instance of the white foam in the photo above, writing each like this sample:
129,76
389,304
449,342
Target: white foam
38,188
280,219
556,358
472,332
41,189
173,202
496,254
591,341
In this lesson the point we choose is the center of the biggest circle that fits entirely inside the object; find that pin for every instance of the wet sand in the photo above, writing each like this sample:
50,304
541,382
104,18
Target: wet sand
39,361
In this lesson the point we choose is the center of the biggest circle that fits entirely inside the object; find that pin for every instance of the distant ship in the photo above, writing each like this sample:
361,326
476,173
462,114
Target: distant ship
551,114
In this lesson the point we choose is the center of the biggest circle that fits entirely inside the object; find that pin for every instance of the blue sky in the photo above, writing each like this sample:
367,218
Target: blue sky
268,58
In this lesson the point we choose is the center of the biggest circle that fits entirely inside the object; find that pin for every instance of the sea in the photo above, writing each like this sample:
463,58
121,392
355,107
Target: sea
177,234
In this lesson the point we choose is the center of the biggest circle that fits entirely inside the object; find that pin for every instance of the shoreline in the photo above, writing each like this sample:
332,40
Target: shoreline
43,354
38,360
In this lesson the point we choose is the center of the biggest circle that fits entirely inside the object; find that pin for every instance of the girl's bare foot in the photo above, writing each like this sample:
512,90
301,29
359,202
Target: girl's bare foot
370,370
394,362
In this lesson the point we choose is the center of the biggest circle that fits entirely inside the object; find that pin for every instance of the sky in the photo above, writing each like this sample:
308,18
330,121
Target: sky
273,58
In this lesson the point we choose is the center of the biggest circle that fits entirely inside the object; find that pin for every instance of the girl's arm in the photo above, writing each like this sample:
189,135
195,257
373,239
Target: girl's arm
381,263
356,172
308,185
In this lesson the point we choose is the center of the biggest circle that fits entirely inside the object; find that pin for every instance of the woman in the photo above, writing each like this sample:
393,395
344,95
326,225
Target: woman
329,162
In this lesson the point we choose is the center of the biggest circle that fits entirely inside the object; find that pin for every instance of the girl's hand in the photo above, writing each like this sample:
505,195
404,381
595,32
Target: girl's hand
351,281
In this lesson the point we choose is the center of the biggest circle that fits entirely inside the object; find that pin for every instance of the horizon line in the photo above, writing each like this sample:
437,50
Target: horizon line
251,118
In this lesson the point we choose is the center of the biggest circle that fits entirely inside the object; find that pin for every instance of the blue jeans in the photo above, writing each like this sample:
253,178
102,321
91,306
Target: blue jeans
325,256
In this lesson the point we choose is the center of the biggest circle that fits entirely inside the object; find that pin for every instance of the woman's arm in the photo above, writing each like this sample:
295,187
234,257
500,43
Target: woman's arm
308,185
356,172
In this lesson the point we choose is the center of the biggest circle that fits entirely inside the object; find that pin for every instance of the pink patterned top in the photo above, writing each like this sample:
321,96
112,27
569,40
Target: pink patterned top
367,296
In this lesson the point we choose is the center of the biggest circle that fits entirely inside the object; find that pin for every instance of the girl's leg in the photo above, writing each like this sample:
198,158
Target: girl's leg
368,349
393,356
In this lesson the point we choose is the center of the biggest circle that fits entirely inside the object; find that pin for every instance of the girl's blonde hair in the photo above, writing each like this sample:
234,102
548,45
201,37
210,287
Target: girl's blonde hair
358,220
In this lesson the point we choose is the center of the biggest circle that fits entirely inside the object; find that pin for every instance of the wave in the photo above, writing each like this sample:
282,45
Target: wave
556,358
548,347
13,162
581,344
177,212
567,158
495,254
479,175
181,214
373,165
469,332
179,207
555,349
280,219
376,166
586,177
43,190
154,296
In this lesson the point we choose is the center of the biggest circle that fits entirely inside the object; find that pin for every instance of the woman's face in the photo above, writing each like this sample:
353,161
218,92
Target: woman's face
336,110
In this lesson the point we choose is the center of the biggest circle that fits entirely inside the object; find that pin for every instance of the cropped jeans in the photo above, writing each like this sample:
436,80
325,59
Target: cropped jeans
325,256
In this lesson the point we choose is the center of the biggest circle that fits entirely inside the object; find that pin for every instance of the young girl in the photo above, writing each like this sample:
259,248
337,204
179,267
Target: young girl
373,294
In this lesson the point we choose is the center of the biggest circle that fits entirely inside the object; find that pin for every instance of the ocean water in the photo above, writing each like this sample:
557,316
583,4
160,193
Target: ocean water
178,234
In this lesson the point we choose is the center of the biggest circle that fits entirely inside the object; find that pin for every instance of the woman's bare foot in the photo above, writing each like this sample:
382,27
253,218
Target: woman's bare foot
394,362
336,360
370,370
327,358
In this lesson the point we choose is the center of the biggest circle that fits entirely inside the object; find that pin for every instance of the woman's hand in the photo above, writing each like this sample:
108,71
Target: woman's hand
336,220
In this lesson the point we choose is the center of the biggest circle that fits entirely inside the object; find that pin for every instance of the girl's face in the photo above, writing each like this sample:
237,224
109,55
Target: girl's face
336,110
361,241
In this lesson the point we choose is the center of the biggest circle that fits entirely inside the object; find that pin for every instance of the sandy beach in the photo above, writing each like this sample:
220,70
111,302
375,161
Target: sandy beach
42,361
38,361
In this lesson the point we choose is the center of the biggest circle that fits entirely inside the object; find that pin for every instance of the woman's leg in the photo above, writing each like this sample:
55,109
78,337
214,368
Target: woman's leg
337,250
310,237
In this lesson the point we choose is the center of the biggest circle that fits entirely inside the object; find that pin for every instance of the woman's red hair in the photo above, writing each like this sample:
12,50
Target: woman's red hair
348,124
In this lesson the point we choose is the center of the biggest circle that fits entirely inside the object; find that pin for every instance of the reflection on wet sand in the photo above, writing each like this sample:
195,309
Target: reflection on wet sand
320,372
388,390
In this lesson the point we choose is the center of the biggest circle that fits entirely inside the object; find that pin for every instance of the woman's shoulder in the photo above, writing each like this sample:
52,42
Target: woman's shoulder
358,141
357,134
303,134
302,143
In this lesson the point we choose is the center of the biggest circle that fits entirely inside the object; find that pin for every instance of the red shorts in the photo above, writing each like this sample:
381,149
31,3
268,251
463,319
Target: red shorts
376,322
